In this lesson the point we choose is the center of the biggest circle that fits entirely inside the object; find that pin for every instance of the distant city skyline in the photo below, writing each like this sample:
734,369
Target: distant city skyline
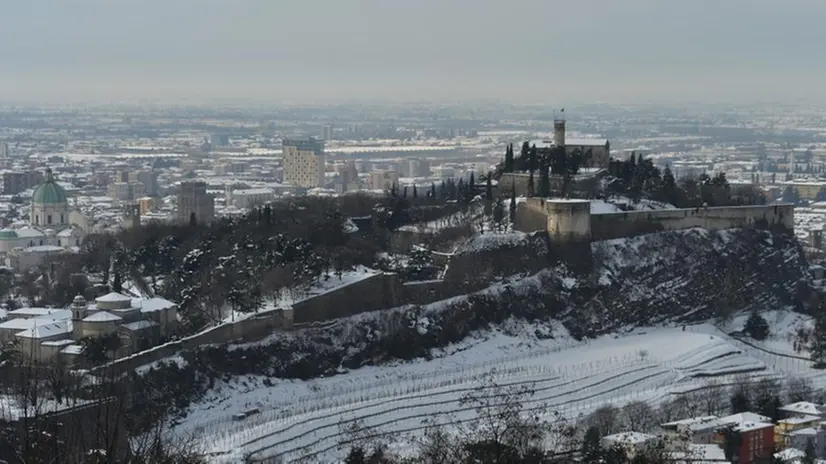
319,51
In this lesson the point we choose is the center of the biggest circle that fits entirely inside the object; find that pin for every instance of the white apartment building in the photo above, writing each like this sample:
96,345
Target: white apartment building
303,162
249,198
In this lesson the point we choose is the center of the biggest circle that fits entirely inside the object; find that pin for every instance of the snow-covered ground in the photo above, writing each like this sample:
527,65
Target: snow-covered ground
300,418
616,205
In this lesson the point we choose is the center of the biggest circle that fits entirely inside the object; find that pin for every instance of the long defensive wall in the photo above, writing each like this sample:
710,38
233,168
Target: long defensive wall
572,221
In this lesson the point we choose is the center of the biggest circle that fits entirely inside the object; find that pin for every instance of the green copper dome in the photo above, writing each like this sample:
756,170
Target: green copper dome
49,192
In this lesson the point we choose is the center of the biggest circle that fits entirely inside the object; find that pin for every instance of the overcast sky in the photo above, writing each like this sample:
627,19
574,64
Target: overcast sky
327,50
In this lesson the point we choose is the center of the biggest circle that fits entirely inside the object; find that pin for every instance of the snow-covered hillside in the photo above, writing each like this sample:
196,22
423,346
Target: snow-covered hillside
667,277
306,418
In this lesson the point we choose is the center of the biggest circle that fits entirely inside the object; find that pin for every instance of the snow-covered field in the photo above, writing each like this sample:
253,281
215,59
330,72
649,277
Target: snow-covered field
300,418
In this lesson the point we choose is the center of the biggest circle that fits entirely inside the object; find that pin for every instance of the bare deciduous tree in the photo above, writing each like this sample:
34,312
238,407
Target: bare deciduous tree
606,419
799,389
639,416
713,397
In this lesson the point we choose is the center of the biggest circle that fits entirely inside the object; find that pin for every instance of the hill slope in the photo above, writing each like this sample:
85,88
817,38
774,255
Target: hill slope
669,276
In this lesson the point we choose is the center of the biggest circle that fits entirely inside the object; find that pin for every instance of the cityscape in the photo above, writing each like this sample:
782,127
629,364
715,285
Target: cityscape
432,232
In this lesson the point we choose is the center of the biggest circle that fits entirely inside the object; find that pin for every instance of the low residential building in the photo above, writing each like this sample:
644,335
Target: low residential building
698,431
801,409
633,443
792,424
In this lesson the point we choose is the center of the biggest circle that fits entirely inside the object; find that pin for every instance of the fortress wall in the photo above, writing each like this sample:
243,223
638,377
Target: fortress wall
380,291
531,215
632,223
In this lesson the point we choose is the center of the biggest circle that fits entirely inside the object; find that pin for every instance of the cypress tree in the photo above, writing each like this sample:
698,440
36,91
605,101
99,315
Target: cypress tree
530,184
415,191
433,190
544,183
509,158
512,212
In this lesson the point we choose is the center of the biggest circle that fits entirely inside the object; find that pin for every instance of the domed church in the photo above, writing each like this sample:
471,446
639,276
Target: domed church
50,207
50,230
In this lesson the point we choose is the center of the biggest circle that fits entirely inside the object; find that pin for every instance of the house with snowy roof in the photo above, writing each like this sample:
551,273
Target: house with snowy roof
632,443
138,323
698,430
802,408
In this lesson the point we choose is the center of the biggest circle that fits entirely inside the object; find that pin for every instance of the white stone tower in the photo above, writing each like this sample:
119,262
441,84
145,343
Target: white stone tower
559,128
78,314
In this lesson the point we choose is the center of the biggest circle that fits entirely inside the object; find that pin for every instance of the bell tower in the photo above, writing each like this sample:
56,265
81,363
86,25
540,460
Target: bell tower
78,314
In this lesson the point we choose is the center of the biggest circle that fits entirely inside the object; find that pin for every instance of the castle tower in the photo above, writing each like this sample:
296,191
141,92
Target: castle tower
559,128
78,314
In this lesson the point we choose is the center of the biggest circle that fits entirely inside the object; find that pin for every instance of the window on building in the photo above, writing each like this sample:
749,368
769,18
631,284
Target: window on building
31,243
58,243
41,243
77,242
37,220
49,219
61,219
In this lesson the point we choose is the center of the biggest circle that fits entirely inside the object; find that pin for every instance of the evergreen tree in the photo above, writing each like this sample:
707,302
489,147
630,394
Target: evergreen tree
544,183
117,284
533,159
489,187
591,446
393,189
404,192
669,190
193,221
513,204
443,191
415,191
756,326
356,456
472,186
530,185
509,158
433,190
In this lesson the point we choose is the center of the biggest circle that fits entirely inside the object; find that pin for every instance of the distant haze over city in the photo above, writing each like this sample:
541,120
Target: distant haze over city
328,50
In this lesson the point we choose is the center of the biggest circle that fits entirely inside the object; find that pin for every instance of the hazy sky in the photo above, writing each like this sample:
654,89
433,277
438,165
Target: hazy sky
516,50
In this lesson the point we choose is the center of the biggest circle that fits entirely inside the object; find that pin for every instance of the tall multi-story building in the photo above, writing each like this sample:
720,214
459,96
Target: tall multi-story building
384,180
16,182
194,201
149,179
4,150
303,162
219,140
418,167
327,132
126,191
